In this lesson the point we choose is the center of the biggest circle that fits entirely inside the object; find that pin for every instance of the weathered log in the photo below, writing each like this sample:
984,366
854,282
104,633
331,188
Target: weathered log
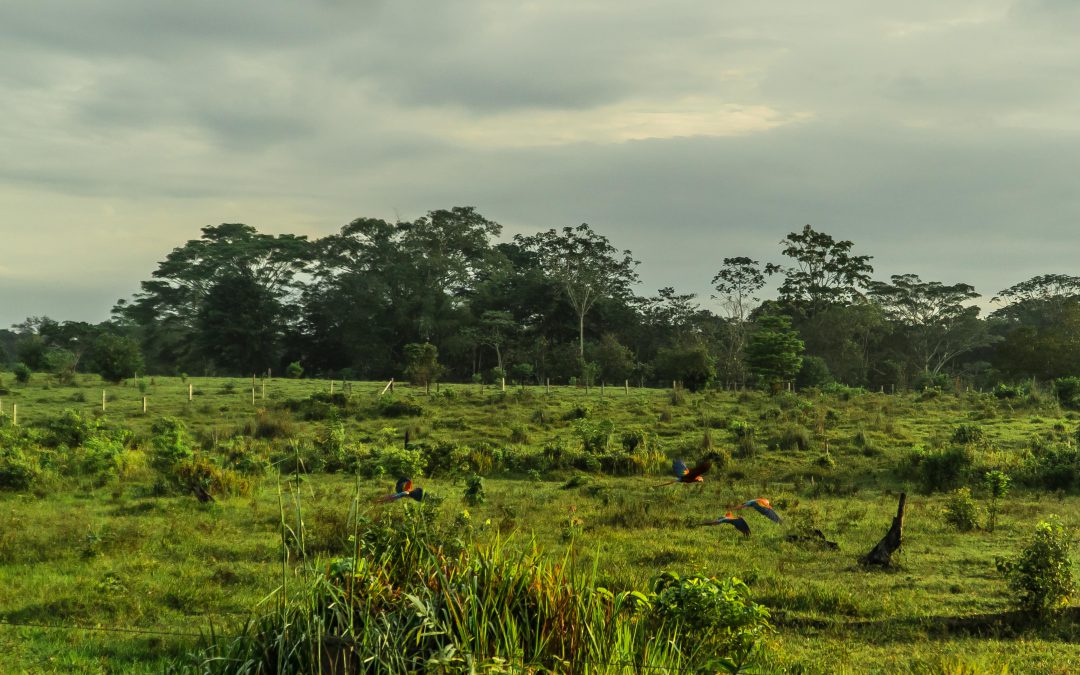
890,543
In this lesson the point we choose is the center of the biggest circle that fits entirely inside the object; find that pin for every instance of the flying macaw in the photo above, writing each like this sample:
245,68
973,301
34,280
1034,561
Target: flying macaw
763,507
685,475
729,519
403,488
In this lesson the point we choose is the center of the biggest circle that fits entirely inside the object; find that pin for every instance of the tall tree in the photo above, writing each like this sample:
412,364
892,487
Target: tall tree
937,323
237,328
774,351
167,308
585,265
736,284
824,273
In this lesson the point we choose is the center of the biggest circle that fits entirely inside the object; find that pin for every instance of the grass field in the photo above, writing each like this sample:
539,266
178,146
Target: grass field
112,573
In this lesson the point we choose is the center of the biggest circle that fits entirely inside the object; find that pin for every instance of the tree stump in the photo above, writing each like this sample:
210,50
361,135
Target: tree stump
890,543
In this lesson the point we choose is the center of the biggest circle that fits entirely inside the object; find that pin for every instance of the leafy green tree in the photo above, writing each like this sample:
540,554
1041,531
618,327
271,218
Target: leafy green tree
615,360
585,265
936,324
167,311
61,363
377,286
736,284
116,357
692,365
422,364
774,351
997,485
237,325
1041,575
824,273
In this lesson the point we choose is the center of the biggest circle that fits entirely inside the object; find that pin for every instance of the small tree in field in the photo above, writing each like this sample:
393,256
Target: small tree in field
116,357
1041,576
997,484
422,364
774,351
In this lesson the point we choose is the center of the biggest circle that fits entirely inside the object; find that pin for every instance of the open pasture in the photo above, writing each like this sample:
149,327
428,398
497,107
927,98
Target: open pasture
120,571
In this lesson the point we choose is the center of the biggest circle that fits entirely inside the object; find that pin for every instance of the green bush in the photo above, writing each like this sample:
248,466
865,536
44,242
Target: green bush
474,490
294,370
716,614
961,511
1068,391
170,443
1040,577
939,470
17,471
968,434
22,373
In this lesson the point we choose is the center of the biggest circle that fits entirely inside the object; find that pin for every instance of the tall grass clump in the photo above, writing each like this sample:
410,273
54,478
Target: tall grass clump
415,597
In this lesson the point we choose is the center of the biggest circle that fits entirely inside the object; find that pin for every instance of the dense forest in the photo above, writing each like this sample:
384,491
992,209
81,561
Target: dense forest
442,297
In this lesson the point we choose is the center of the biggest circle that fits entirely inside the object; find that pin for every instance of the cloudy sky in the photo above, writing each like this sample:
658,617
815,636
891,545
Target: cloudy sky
942,138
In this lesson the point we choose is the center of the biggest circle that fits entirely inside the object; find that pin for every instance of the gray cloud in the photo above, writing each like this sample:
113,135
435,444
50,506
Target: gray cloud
941,137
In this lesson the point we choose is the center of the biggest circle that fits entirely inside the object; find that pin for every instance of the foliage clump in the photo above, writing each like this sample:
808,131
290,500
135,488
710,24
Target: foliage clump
961,511
1040,576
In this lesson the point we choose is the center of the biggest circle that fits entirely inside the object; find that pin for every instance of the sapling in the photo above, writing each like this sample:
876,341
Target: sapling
997,484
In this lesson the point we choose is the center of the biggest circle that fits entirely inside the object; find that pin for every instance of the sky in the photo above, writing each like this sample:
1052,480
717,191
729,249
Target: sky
942,138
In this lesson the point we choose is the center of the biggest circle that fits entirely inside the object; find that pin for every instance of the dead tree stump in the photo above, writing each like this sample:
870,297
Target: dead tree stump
890,543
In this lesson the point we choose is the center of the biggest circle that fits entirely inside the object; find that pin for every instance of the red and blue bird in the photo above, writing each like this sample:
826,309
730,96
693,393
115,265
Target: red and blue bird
403,489
763,507
738,522
686,475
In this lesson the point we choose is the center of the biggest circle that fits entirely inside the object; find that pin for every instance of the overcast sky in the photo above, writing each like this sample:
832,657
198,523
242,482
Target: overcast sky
943,138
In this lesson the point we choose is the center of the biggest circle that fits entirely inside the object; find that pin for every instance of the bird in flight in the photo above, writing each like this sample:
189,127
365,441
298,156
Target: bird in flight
685,475
728,519
403,488
763,507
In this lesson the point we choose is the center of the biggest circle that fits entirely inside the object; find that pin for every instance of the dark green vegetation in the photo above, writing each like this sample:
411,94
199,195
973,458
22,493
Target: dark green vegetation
441,298
545,497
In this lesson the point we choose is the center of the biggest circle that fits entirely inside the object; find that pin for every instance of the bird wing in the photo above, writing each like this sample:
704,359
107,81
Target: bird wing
766,511
692,474
678,467
417,494
403,485
740,525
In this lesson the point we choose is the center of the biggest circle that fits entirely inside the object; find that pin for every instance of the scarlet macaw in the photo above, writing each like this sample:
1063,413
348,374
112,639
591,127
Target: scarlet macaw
729,519
403,488
685,475
763,507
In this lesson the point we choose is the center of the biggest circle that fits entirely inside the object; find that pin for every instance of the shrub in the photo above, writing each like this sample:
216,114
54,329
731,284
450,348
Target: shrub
17,471
394,461
519,434
942,469
22,373
1040,577
294,370
389,406
1068,391
170,443
960,510
1055,467
716,614
997,485
474,490
968,434
794,438
594,434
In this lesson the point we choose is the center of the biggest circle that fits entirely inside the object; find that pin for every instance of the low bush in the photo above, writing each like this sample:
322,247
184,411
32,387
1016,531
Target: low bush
1040,576
960,510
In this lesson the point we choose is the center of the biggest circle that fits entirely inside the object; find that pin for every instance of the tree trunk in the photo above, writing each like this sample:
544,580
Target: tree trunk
581,336
890,543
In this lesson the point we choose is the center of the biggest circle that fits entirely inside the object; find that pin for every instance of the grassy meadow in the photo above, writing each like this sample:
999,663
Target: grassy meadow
116,570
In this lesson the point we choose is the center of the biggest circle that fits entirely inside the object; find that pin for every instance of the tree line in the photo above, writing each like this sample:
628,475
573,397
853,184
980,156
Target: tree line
443,295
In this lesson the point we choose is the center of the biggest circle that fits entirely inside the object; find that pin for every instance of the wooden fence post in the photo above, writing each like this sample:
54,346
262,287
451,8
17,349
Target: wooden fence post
144,405
189,392
102,400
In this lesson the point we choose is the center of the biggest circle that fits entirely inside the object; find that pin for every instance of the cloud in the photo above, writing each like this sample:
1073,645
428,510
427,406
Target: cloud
940,137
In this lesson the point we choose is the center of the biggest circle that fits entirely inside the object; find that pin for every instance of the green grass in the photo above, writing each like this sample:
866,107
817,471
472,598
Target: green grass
113,552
